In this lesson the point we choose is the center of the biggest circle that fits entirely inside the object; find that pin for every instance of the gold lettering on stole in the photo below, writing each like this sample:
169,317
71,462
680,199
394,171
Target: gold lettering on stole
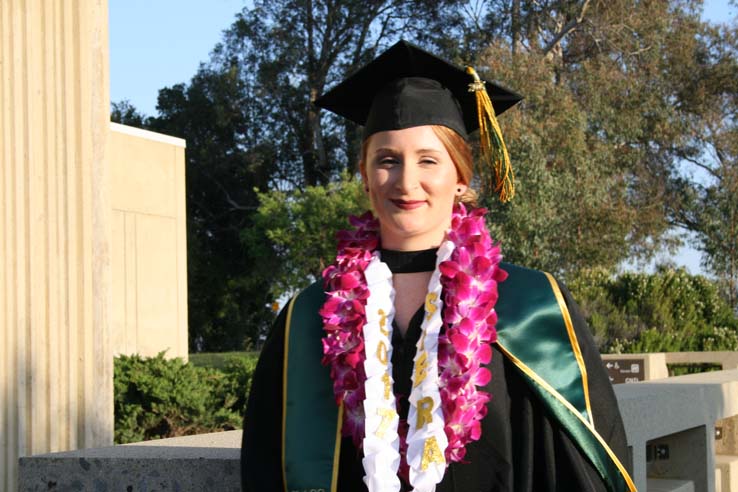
382,353
387,385
425,412
383,322
387,415
431,453
421,369
430,307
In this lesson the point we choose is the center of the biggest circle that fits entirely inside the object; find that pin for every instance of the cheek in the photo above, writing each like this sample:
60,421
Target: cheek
447,183
377,180
376,184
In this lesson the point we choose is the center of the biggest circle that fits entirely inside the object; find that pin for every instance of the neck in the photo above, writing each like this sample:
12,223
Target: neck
413,243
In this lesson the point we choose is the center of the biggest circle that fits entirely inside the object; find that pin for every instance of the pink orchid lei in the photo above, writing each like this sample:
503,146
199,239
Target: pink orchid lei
469,279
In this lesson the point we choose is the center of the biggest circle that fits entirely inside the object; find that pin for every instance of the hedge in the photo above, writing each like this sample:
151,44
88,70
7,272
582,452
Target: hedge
666,311
157,397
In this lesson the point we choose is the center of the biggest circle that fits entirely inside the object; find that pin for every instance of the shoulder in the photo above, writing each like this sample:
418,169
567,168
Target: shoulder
524,285
518,273
303,312
311,297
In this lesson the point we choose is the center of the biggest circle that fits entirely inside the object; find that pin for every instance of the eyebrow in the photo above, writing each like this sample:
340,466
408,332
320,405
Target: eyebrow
419,151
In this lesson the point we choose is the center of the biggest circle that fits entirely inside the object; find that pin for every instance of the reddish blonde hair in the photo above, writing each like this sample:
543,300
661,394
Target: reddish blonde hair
461,156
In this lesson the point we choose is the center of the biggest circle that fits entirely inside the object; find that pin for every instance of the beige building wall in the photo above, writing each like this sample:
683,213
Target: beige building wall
55,230
149,254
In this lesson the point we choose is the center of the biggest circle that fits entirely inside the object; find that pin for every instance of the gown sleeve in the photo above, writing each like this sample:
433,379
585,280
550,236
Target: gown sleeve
261,449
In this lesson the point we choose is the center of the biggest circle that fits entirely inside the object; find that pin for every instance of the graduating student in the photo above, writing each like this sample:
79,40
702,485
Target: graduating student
420,361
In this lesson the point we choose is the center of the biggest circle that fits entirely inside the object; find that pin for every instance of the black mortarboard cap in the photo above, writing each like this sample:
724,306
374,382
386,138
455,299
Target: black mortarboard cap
405,87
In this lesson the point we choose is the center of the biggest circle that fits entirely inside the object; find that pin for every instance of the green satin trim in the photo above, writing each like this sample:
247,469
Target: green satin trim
311,420
533,334
528,311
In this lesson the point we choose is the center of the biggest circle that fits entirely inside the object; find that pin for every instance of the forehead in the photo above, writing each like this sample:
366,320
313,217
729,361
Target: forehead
408,139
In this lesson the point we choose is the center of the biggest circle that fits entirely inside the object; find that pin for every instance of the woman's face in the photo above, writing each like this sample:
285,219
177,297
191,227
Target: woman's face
412,185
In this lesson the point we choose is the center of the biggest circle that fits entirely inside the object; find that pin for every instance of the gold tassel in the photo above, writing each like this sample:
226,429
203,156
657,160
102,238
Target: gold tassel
494,152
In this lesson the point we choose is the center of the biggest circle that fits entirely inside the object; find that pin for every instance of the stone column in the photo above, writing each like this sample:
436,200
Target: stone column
55,230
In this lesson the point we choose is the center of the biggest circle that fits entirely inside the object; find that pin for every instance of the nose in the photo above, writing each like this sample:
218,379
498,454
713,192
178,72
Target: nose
408,178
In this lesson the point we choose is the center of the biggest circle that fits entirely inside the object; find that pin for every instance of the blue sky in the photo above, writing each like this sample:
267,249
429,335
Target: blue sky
159,43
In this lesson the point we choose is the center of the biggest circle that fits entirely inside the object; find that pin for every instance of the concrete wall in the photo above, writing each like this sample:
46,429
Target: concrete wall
55,230
149,253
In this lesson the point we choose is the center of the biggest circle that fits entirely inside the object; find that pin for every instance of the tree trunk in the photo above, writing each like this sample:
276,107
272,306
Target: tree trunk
515,27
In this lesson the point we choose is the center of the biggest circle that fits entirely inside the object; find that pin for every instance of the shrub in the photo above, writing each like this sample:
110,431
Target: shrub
239,373
157,397
667,311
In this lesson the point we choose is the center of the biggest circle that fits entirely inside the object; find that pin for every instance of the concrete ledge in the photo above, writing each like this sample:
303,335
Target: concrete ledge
181,464
659,485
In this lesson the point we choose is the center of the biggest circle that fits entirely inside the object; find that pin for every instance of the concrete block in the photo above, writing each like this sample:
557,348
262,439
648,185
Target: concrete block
683,456
664,408
661,485
726,467
182,464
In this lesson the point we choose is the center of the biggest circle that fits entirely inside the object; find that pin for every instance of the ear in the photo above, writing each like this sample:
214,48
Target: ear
460,189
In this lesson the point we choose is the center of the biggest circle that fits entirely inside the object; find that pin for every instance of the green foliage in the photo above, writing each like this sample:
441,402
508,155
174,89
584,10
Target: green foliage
238,368
667,311
300,228
239,374
593,141
219,360
158,397
125,113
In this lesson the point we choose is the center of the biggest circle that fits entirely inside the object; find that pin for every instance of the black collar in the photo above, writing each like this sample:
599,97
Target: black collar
410,261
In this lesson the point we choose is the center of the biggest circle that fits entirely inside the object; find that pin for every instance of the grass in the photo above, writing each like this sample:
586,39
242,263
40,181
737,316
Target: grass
218,360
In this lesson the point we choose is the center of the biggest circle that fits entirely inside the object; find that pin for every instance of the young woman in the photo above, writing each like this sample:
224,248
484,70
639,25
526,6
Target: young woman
420,361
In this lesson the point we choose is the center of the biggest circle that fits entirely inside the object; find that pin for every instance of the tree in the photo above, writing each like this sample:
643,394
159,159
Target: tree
125,113
620,99
249,122
708,205
294,51
228,305
300,229
619,96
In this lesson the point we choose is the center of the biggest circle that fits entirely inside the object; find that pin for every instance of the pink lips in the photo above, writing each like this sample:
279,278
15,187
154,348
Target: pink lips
408,204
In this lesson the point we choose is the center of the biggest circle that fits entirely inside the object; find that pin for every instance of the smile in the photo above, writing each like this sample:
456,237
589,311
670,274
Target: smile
408,204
